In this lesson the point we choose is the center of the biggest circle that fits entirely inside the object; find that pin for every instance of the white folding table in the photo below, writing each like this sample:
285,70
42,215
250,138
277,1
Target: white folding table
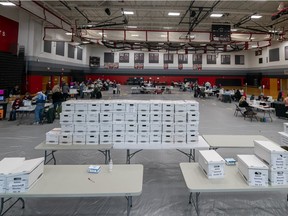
50,149
200,145
75,181
197,182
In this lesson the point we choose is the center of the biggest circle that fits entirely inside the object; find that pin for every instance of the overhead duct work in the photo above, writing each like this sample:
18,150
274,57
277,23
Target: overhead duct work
52,34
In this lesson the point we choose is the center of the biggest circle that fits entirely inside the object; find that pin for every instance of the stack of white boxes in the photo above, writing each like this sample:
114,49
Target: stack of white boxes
119,122
211,163
284,135
18,175
253,170
276,158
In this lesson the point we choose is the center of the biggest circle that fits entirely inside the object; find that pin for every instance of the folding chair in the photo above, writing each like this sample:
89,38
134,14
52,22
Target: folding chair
250,114
239,109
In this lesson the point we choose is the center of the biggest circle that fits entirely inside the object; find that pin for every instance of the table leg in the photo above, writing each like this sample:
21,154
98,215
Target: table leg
21,114
190,155
130,155
195,202
3,201
129,204
52,157
106,154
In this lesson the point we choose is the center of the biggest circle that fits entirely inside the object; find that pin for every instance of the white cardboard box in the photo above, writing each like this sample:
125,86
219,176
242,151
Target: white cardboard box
168,117
144,128
131,117
278,177
180,118
67,127
79,117
119,106
285,125
52,137
67,107
118,117
180,138
93,107
118,138
143,138
118,128
180,107
192,106
24,176
192,127
80,108
143,106
131,107
92,139
106,107
192,138
105,138
180,128
92,117
155,117
105,117
106,128
192,117
80,128
66,117
131,128
168,128
65,138
6,167
168,107
253,170
167,138
79,139
156,128
92,128
131,138
156,106
155,138
272,154
211,163
143,117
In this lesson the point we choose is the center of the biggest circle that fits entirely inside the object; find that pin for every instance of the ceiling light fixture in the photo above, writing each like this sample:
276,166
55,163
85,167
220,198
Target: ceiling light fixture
216,15
7,4
256,16
69,33
132,27
173,14
163,36
128,12
134,35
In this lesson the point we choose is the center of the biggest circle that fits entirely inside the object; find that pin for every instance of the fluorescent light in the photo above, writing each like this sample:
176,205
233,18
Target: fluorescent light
167,27
273,31
128,12
131,26
69,33
216,15
85,42
173,14
163,36
134,35
7,4
256,16
254,46
233,29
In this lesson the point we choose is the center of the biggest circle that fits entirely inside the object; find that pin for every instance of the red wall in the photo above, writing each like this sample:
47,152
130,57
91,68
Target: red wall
34,83
8,35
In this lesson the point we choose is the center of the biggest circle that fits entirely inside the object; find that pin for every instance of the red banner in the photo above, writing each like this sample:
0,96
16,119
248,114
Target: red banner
8,35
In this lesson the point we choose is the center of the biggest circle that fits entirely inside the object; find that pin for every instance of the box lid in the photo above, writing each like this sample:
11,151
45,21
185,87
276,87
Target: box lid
211,156
9,164
270,146
27,166
252,162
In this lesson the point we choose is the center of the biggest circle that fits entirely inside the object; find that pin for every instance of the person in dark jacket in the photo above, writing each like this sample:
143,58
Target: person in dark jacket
57,98
15,106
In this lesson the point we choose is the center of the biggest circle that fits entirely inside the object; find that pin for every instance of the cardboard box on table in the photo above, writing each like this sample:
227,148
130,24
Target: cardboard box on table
131,128
119,128
144,128
52,137
92,139
93,107
105,138
66,117
67,107
155,117
105,117
67,127
118,117
92,128
106,107
211,163
155,106
278,177
65,138
191,106
118,138
92,118
24,176
156,128
143,117
80,108
131,138
131,117
79,117
167,138
79,139
253,170
155,138
80,128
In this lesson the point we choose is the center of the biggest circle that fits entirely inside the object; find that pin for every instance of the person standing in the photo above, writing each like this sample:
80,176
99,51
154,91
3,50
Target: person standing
65,91
40,99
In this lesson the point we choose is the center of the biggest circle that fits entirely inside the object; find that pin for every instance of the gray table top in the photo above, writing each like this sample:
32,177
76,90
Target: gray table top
44,146
232,141
197,181
73,181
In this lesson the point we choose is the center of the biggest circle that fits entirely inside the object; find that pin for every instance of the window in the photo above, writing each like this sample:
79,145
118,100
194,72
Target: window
274,55
211,59
197,59
60,47
108,57
79,53
124,57
225,59
47,46
286,52
182,59
239,60
139,58
153,57
168,58
71,51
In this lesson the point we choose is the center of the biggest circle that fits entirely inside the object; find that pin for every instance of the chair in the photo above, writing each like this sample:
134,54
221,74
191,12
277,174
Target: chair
249,113
238,109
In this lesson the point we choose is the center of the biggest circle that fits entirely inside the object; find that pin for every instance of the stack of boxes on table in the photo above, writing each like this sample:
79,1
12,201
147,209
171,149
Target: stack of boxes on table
284,136
18,175
268,165
126,122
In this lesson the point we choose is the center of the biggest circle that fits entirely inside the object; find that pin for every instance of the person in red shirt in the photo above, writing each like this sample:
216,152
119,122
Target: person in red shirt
16,105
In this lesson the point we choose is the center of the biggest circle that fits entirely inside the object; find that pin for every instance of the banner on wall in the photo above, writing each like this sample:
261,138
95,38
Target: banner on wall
8,35
111,65
139,66
180,66
197,67
165,66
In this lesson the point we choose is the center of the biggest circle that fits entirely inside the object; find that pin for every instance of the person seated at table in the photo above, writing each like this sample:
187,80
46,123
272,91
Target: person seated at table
286,102
237,95
40,99
15,106
279,97
243,103
15,91
27,96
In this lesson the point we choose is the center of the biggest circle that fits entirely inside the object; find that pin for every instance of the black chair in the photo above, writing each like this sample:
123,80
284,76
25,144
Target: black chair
239,109
249,113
